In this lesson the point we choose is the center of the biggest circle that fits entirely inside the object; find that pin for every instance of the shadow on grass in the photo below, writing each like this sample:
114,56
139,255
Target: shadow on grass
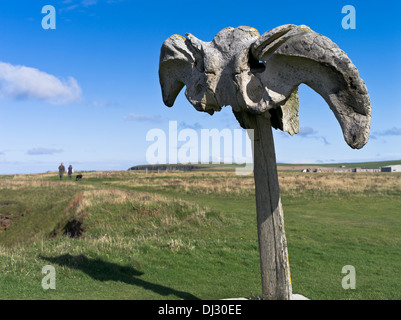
106,271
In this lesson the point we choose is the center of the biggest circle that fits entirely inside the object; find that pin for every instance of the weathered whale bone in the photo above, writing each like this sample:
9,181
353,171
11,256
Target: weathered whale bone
258,76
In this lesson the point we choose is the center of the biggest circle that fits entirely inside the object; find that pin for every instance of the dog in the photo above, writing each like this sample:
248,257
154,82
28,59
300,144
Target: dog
78,177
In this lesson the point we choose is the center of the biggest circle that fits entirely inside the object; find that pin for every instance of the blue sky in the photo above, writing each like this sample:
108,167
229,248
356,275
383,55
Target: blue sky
88,92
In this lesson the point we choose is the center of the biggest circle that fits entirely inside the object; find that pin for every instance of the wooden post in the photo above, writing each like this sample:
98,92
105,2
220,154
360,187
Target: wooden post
275,271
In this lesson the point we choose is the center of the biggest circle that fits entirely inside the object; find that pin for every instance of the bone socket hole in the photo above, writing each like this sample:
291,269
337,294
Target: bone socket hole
255,65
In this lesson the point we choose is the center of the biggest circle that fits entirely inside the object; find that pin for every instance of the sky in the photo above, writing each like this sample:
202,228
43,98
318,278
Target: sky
87,93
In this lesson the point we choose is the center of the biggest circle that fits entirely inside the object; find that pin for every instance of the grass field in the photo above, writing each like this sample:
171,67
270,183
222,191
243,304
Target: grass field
192,235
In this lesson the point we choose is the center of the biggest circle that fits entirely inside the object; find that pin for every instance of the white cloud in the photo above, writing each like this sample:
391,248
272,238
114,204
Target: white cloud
310,133
142,117
83,4
20,82
195,126
41,151
107,103
87,3
394,131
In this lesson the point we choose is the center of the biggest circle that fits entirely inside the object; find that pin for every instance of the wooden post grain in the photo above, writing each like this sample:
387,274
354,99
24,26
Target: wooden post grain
275,271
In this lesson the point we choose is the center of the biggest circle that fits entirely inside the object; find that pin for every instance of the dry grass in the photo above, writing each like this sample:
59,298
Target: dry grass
290,182
213,182
339,182
191,182
218,185
21,184
140,204
90,198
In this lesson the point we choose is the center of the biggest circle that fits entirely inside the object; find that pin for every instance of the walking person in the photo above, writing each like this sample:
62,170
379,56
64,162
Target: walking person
70,172
61,170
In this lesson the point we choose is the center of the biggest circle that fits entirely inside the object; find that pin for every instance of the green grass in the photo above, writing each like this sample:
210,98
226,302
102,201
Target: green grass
327,233
143,240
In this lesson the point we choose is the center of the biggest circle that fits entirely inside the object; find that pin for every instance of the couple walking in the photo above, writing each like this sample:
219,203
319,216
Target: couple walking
61,170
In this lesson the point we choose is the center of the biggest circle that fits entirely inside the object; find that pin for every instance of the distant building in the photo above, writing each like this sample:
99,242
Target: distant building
396,168
366,170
